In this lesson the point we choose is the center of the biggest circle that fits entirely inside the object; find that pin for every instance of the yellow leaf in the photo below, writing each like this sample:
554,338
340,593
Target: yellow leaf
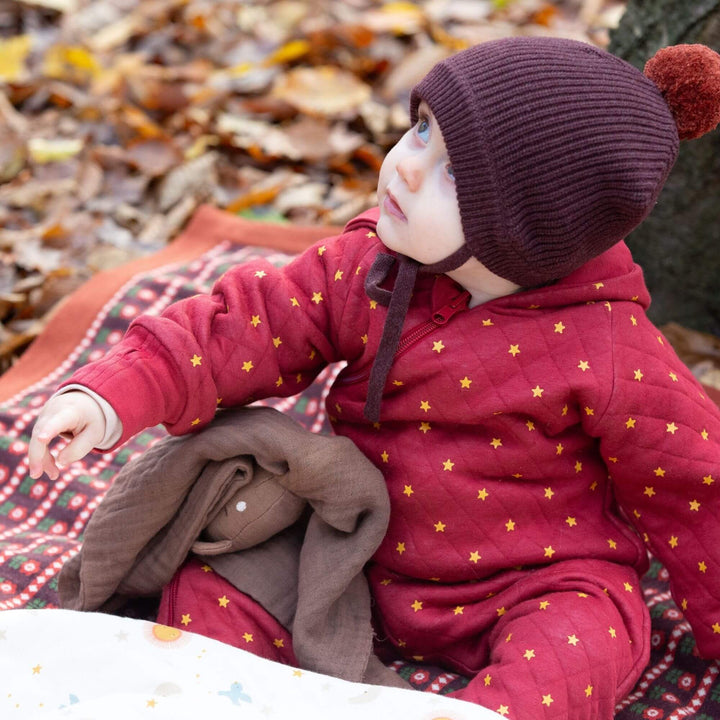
67,62
53,150
13,53
402,7
292,50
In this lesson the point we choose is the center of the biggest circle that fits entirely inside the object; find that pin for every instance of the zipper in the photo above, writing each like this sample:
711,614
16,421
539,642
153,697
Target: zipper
414,335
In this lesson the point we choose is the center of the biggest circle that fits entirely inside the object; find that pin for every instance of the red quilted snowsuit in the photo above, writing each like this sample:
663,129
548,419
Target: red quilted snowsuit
529,445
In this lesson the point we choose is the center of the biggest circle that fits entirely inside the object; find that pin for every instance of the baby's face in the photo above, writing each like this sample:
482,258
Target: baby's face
419,214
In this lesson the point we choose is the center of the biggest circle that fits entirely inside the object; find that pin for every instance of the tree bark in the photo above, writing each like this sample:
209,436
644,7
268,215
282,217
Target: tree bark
678,245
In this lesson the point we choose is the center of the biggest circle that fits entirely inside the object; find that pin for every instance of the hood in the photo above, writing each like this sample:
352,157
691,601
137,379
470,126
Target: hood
612,276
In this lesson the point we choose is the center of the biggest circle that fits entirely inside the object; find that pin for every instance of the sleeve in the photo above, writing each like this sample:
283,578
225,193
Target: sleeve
262,331
660,438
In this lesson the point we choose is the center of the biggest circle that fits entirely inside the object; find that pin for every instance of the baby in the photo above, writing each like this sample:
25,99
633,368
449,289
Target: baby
535,430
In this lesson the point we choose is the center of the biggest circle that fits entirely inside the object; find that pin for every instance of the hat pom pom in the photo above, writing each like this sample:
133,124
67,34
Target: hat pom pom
689,79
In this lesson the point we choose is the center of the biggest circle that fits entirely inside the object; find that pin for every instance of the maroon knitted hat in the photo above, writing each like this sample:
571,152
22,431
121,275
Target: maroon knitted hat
559,148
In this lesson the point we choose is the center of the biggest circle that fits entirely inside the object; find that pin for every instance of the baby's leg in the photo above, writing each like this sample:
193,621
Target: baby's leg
566,654
201,601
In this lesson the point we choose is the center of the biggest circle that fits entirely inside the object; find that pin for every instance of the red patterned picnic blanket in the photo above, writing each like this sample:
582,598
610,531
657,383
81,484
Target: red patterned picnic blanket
41,522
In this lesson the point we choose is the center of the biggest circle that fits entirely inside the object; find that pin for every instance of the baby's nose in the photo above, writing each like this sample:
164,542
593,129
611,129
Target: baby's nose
411,172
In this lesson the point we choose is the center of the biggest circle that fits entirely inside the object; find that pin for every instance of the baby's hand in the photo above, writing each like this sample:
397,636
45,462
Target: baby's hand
73,414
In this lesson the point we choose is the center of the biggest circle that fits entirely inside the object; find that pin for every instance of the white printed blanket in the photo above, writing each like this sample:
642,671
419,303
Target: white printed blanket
91,666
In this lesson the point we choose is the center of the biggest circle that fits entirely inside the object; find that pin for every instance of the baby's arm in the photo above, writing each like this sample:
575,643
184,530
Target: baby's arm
263,331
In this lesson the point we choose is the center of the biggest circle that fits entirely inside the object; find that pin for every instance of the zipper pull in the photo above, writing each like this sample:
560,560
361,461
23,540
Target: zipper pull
458,303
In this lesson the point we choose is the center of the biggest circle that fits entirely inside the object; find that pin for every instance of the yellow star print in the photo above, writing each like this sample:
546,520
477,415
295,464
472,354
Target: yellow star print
465,383
694,505
673,541
547,700
549,493
260,273
448,465
247,637
338,275
630,423
223,601
186,619
496,443
588,691
440,526
537,391
317,298
510,525
487,680
559,327
584,365
549,551
708,480
424,405
573,640
503,710
408,490
475,557
416,606
196,360
247,366
571,521
438,346
459,610
255,321
514,350
482,494
294,302
672,428
279,643
529,654
425,427
400,548
385,457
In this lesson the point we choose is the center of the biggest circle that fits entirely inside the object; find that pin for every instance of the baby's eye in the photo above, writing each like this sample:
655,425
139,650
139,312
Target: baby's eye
449,170
423,129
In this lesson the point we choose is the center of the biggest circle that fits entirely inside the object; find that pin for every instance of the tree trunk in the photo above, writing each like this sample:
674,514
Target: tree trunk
678,245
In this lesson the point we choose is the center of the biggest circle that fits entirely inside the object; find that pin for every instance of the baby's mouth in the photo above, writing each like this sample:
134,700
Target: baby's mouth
392,206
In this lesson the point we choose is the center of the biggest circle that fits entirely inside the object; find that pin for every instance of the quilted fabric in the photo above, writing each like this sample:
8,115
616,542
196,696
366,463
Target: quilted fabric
514,436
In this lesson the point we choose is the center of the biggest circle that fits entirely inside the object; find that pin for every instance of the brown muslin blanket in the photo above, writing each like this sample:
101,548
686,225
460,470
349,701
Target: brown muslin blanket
309,575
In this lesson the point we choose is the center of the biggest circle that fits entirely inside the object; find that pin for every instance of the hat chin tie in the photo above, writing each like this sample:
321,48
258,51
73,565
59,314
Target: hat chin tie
397,301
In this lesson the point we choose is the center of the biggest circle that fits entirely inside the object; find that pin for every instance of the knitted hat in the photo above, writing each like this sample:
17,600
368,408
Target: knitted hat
559,149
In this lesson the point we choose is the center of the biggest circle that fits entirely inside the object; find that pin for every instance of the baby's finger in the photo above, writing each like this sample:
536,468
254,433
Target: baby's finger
43,462
77,448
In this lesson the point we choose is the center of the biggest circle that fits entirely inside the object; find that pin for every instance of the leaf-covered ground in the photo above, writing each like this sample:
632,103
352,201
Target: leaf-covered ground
119,117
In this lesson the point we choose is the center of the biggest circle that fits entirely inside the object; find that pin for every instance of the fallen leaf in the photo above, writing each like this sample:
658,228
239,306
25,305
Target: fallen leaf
45,150
13,53
326,91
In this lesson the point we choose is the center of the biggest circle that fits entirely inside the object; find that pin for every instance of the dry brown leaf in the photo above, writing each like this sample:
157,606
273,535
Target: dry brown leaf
154,157
326,91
